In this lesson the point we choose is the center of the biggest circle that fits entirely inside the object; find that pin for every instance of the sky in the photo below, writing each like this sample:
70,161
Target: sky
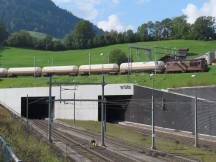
121,15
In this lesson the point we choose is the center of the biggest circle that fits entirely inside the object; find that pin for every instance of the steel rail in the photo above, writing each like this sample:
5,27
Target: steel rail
68,138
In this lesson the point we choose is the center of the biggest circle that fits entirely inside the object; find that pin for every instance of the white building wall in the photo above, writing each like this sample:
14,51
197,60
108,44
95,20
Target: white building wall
11,98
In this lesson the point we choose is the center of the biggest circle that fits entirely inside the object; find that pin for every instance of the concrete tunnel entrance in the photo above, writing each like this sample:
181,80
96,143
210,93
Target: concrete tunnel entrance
115,108
37,108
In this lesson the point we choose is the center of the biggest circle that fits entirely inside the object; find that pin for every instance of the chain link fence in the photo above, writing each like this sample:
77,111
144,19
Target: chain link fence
174,114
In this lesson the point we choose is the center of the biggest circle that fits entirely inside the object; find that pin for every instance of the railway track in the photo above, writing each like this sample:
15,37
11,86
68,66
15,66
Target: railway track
121,144
184,139
81,146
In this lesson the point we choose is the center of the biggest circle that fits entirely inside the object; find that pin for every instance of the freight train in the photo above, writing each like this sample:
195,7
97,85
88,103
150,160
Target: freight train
198,65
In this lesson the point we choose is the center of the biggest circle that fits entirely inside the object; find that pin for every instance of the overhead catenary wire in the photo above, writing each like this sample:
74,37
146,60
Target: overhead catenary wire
147,101
38,100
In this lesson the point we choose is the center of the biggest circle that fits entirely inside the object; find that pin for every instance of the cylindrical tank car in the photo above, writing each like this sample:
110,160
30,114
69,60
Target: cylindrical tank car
99,69
3,72
151,66
60,70
24,71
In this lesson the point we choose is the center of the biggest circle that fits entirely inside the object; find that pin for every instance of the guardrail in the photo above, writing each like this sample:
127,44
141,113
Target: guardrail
8,154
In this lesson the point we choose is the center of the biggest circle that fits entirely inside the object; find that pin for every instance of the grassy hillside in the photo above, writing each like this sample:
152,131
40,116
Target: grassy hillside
162,81
12,57
39,35
27,147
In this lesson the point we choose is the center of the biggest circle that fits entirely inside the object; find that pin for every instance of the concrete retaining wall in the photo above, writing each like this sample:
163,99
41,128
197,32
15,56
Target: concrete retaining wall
84,110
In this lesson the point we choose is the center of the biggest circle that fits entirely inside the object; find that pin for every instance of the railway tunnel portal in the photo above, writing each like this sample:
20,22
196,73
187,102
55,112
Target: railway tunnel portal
38,107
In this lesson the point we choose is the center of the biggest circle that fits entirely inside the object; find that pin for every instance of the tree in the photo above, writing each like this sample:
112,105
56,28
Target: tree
111,37
120,38
143,32
69,41
48,42
3,33
151,31
130,36
20,39
180,28
58,46
118,56
204,28
82,36
166,28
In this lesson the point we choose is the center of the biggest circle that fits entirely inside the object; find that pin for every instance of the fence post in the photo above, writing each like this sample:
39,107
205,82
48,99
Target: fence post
195,123
27,113
74,109
153,114
102,114
50,110
60,92
105,114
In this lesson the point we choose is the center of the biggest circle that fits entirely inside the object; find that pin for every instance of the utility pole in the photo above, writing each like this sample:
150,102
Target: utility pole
129,52
129,62
108,58
34,66
153,122
195,117
105,115
50,109
89,63
60,94
74,109
195,123
102,114
27,111
195,131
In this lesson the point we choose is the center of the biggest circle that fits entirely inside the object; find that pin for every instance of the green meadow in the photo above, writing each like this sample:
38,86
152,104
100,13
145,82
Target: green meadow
16,57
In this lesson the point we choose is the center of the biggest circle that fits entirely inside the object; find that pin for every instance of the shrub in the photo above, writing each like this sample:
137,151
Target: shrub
118,56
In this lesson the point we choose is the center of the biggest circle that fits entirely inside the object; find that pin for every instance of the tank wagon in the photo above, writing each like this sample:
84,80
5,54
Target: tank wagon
60,70
151,66
24,71
3,72
171,66
99,69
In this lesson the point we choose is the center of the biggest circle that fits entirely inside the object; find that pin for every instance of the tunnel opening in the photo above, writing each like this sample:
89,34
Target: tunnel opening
38,107
116,107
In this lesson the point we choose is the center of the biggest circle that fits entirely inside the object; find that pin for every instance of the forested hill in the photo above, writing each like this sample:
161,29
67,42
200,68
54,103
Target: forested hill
37,15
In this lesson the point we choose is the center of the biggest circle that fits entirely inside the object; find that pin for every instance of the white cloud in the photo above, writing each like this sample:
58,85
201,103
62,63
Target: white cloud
130,27
193,12
113,23
82,8
116,1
